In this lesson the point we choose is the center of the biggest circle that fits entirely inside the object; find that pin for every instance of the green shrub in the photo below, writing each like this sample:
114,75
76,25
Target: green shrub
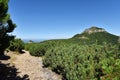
16,45
85,62
75,61
39,49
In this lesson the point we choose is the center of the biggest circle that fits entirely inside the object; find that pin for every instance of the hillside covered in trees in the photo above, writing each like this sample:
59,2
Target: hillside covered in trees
94,34
91,55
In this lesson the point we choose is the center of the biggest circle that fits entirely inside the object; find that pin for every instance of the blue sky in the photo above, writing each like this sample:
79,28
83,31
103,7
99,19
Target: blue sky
50,19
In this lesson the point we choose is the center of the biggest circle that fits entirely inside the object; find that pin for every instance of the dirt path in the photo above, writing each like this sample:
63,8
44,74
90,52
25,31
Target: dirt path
32,66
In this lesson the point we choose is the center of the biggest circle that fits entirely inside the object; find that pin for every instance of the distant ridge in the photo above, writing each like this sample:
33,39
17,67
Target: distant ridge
33,40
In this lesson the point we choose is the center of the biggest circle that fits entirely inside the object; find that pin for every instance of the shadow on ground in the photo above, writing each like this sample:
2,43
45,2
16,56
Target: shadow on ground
4,57
8,72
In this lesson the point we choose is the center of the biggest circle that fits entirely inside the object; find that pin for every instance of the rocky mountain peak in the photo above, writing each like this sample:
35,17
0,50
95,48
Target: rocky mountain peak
94,29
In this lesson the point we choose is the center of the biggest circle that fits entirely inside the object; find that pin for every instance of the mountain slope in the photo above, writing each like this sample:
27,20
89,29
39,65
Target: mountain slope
94,34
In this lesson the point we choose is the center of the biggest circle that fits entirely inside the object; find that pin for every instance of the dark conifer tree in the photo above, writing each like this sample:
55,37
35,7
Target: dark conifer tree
6,26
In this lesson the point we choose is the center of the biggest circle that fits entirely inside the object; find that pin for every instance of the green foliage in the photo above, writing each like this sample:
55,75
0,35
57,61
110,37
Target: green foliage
86,56
16,45
86,62
79,62
35,49
6,26
39,49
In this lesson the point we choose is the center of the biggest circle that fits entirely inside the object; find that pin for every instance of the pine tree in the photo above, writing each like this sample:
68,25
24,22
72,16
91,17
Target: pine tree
6,26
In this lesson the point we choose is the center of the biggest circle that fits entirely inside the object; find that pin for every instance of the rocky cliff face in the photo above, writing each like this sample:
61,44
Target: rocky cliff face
94,29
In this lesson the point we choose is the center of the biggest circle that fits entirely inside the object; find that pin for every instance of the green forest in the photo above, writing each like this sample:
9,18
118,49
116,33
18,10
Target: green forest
92,55
96,58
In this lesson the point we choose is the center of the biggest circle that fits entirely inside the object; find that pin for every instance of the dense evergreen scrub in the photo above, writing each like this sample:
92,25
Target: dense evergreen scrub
39,49
86,56
75,61
16,45
86,62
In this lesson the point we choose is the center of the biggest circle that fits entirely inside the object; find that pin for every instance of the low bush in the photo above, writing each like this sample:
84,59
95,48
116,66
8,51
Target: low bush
16,45
79,62
86,62
39,49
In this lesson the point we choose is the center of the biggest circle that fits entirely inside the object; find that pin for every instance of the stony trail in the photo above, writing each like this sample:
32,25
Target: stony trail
30,65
